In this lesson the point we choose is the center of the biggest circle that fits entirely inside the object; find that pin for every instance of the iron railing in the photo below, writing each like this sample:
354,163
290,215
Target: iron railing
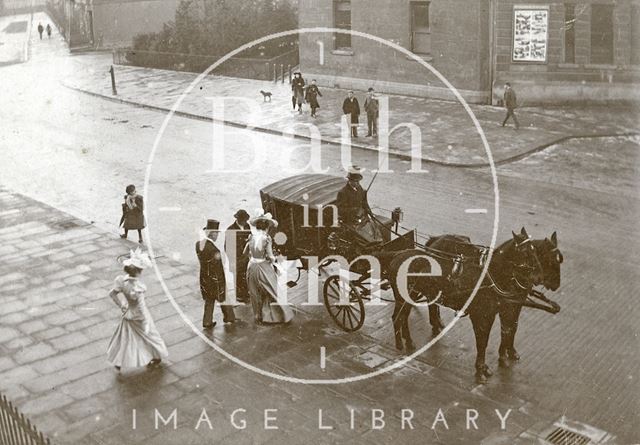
245,67
16,429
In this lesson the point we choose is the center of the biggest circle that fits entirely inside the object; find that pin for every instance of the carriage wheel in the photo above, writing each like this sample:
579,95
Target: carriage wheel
350,317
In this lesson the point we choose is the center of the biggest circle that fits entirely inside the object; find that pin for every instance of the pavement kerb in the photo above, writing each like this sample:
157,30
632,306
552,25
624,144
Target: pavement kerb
394,152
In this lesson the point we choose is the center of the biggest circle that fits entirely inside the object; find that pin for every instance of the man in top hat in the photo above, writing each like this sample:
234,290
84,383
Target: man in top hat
353,209
238,234
212,281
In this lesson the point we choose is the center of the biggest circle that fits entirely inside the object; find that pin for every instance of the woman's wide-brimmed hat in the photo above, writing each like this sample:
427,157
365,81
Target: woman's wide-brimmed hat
242,215
261,216
354,173
138,259
212,224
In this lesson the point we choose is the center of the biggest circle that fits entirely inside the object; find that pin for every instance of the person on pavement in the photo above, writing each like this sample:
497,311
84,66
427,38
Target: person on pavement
510,103
132,213
262,277
40,30
297,88
212,280
354,212
49,30
238,234
312,97
351,107
371,106
136,341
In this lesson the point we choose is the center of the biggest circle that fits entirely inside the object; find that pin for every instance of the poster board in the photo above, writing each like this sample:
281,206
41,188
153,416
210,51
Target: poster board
530,34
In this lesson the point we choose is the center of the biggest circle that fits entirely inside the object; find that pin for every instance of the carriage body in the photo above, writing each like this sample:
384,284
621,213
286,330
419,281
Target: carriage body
305,208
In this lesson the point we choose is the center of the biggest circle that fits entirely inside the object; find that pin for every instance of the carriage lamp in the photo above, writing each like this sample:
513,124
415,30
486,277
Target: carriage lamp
396,216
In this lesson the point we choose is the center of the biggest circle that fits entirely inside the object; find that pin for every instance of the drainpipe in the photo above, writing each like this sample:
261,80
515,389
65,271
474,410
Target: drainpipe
492,22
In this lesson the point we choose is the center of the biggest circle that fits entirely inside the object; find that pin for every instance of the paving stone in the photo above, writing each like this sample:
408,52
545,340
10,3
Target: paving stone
69,341
16,375
61,317
76,279
18,342
46,403
14,318
49,333
6,363
32,353
30,327
74,372
7,334
14,276
90,385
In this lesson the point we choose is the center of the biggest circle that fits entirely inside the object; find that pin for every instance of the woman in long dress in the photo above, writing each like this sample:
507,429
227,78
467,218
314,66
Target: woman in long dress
136,341
262,279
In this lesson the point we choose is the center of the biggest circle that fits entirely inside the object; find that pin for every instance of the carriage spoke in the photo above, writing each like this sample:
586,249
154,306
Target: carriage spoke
344,318
350,317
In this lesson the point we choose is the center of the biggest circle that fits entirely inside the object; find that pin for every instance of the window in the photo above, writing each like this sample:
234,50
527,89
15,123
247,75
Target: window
420,32
602,34
570,33
342,20
530,28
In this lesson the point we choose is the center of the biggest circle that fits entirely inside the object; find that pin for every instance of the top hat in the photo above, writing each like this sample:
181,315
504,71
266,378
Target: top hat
241,215
138,259
261,216
212,224
354,173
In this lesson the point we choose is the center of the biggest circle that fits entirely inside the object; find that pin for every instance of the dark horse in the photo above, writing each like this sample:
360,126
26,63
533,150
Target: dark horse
512,273
550,259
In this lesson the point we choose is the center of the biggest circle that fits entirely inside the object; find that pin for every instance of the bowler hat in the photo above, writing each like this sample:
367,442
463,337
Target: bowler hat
242,215
370,89
354,173
212,224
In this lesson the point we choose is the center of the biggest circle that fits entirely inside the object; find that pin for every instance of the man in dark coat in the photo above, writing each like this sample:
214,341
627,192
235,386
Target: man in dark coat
371,106
40,30
351,107
354,212
297,90
212,281
238,234
311,96
510,104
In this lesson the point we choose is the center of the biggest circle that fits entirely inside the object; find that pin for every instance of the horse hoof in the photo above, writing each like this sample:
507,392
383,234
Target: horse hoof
503,362
513,355
481,379
436,330
399,345
411,346
487,372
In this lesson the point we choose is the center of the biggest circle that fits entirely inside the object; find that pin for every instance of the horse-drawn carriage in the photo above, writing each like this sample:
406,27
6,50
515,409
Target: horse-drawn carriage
305,208
309,226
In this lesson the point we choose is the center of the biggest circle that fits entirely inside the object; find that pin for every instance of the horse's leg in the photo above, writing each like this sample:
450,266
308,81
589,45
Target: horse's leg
397,323
434,319
482,321
406,311
509,315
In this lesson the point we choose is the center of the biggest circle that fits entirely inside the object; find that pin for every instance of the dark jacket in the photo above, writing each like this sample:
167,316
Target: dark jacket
134,218
311,96
352,107
371,106
297,86
352,203
241,235
510,99
212,281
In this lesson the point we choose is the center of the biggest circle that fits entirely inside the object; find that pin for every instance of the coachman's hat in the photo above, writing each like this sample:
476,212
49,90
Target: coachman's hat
212,224
354,173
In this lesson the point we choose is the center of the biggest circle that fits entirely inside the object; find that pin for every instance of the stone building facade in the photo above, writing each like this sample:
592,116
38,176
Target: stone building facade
551,51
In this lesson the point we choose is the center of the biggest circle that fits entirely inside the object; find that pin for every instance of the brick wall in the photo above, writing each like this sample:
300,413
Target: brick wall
459,47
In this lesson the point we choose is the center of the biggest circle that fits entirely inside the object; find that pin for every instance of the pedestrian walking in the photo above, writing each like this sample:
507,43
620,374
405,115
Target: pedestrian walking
510,103
136,341
351,107
40,30
48,30
372,106
297,89
262,277
132,213
237,234
311,97
212,281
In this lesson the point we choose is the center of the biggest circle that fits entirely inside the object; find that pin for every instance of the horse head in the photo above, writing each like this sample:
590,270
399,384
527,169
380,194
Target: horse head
550,258
520,253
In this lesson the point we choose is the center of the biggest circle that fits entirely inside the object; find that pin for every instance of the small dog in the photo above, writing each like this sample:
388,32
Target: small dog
266,95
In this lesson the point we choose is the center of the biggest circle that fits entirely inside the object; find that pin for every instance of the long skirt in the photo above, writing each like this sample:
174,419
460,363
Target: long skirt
135,343
263,284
